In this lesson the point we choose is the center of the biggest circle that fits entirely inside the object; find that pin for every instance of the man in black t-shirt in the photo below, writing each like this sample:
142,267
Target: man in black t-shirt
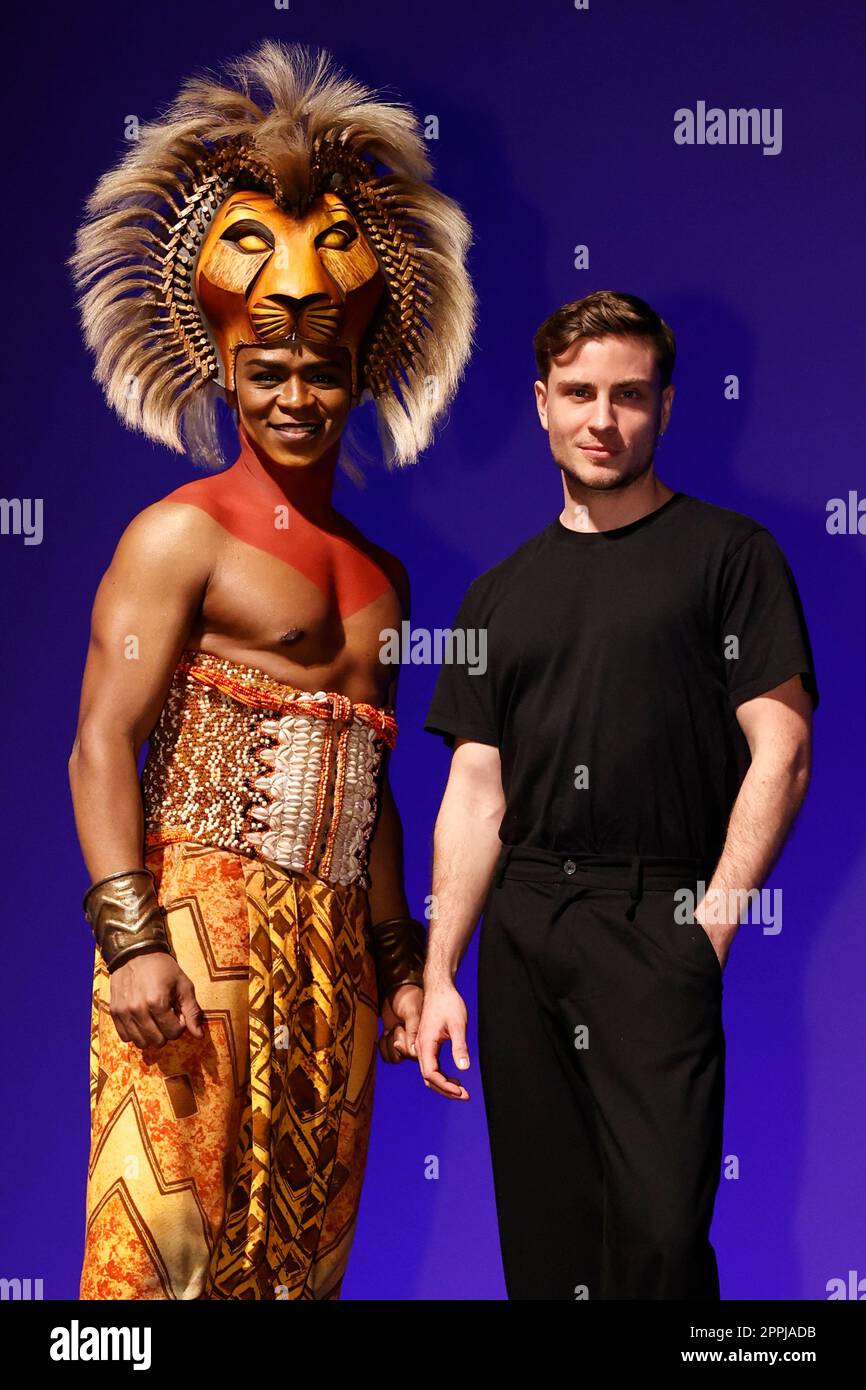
628,762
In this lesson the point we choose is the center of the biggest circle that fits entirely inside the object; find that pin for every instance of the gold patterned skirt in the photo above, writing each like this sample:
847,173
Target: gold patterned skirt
231,1166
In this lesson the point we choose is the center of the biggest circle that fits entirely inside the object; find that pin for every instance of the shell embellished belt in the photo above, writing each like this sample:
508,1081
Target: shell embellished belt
248,763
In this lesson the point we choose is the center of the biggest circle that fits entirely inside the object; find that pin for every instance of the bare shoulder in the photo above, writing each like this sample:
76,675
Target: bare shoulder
156,581
385,559
398,575
170,532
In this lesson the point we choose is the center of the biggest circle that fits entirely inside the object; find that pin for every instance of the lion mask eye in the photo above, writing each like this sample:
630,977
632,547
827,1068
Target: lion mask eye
249,236
338,237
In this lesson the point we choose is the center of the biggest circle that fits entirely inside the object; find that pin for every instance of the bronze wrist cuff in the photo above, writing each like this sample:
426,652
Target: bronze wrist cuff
399,949
125,916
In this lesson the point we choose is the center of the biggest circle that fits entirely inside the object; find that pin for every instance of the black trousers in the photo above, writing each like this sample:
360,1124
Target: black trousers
602,1058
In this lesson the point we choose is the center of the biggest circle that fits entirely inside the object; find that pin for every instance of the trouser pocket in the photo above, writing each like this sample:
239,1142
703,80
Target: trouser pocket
660,917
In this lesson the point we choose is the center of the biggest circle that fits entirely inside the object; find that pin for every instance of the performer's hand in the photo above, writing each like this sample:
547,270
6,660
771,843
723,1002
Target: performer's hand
153,1001
443,1017
401,1015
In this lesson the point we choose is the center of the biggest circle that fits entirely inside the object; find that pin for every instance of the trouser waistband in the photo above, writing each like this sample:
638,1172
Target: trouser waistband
629,872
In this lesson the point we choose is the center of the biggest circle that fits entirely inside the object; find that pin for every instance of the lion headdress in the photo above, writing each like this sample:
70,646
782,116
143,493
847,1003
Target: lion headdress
286,203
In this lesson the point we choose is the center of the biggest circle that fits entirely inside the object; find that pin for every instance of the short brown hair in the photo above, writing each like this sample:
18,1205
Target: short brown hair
603,314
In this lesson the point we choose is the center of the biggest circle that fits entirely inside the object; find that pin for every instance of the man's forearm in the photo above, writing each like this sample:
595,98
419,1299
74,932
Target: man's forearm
770,796
466,844
106,797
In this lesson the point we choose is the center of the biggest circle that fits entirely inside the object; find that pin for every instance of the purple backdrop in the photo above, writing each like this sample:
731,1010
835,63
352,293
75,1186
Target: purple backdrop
556,128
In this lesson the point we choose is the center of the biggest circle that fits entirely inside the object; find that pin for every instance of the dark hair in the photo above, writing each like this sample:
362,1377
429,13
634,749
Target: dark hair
603,314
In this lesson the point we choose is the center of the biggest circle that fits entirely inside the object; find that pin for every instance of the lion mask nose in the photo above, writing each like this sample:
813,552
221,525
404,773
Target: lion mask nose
280,316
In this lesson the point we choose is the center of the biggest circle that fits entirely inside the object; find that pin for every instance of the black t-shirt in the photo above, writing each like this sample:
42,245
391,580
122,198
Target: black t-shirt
615,661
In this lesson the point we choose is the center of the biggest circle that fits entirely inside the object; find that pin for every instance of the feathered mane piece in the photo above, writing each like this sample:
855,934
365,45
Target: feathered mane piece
288,123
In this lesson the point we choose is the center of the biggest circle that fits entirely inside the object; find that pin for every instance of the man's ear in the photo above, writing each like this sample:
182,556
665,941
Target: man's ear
667,402
541,402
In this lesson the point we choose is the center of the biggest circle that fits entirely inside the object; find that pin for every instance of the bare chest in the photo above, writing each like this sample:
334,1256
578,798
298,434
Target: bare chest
317,626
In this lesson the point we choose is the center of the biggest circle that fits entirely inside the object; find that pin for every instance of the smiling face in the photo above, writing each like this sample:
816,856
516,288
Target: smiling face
293,401
603,408
264,276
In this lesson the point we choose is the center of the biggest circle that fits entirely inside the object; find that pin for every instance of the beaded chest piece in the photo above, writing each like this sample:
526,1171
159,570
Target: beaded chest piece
247,763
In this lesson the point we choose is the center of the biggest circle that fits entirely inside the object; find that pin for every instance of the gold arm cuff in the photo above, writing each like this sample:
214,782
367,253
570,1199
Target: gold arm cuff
125,916
399,949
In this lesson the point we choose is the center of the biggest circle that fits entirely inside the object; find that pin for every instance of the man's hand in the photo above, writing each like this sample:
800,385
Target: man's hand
721,946
153,1001
443,1018
401,1014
